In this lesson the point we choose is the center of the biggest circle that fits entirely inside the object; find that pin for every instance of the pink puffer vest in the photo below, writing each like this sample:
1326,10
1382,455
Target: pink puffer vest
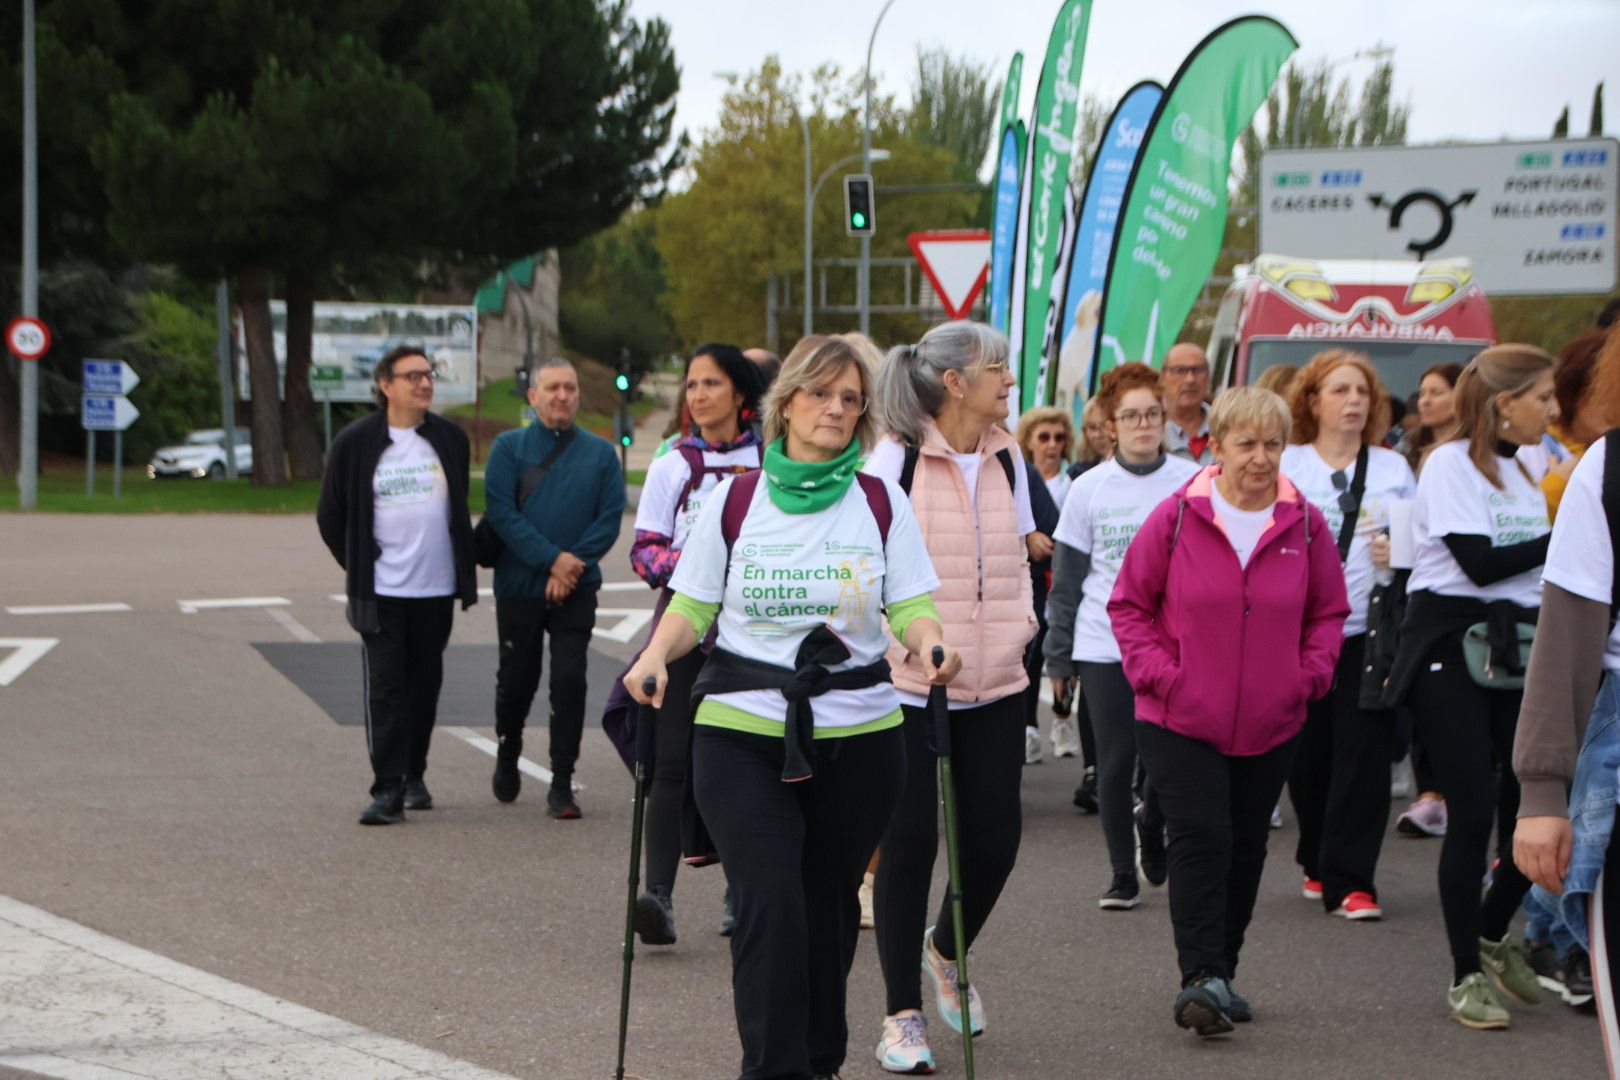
988,612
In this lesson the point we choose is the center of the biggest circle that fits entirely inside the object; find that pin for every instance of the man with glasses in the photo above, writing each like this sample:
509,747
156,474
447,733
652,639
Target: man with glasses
556,500
393,511
1185,381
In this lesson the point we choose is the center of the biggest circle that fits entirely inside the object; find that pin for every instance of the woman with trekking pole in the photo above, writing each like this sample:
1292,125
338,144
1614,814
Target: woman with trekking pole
797,750
942,402
1229,612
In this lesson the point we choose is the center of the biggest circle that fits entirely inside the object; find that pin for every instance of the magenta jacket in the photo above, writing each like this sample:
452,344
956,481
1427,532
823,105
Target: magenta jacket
1221,653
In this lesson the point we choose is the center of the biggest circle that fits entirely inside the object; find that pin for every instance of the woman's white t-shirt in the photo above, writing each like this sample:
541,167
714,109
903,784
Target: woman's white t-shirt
411,519
659,510
1243,528
1581,557
1454,497
1058,486
791,573
1104,510
1389,479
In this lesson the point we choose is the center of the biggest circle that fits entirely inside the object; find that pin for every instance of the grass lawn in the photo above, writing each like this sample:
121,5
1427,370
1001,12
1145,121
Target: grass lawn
62,491
500,404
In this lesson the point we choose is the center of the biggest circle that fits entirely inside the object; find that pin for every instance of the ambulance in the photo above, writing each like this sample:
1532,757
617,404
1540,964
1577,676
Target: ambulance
1406,316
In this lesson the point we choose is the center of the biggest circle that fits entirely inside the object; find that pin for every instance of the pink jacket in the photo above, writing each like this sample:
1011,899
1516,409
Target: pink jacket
1221,653
988,613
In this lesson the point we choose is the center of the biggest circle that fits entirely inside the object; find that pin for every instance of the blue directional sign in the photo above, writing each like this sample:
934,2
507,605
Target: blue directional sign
109,377
106,412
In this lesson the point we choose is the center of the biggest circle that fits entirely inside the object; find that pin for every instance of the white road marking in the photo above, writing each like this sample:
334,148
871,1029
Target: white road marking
294,627
80,1005
66,609
490,747
191,607
626,586
631,620
26,651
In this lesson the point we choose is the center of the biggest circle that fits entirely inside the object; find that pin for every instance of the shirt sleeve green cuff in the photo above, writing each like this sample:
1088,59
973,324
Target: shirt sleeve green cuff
906,612
696,612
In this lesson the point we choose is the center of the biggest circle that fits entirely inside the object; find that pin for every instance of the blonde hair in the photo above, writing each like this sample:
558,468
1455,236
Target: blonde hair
1248,407
1510,368
818,365
1047,414
1092,412
1278,378
1308,385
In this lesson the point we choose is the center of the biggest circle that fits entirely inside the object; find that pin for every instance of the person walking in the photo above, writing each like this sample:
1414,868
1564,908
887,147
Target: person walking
797,750
721,395
393,512
547,577
1341,778
1480,534
1104,510
943,401
1228,611
1186,403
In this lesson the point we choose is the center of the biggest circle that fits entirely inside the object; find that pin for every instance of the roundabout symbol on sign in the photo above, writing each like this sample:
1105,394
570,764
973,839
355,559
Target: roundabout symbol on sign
27,338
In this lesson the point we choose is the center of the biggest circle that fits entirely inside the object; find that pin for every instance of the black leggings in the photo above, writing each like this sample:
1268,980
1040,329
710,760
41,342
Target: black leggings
794,855
1111,704
987,762
1034,666
667,794
1467,734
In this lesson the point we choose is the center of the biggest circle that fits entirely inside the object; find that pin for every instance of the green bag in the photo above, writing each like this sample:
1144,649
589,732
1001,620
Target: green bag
1477,655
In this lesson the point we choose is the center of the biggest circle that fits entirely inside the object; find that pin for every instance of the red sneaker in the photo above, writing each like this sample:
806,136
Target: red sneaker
1357,906
1311,890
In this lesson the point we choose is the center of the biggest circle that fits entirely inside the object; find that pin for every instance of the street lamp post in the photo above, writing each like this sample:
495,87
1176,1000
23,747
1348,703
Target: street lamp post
810,193
864,286
805,125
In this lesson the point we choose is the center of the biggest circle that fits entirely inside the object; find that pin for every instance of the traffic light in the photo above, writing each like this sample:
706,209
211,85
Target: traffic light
622,381
625,428
624,425
860,211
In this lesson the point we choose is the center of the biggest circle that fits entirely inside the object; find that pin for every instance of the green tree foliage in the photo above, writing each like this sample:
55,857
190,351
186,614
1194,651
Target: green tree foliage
1561,125
741,217
611,286
1594,125
955,104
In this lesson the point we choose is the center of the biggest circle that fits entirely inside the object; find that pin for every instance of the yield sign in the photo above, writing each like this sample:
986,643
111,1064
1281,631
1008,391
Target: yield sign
24,652
957,262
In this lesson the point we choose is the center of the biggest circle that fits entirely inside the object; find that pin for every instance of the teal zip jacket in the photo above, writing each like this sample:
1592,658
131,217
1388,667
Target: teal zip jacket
578,508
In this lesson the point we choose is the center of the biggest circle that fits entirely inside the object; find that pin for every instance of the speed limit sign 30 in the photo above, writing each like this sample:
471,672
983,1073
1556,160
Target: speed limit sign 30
28,339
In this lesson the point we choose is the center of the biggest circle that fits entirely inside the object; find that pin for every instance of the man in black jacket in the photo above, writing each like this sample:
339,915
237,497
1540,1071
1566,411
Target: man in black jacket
393,511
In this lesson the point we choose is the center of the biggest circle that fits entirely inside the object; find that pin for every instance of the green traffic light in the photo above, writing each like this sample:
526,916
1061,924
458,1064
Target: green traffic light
624,440
622,382
858,220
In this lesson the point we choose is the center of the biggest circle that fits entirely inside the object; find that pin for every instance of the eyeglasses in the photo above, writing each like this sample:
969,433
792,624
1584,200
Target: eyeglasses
1347,498
1094,427
417,377
1050,436
1137,417
1186,371
822,398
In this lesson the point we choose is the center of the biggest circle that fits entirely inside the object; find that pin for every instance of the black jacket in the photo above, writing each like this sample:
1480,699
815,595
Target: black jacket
345,511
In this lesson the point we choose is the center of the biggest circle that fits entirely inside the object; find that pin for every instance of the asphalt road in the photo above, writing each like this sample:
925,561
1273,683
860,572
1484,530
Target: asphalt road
162,783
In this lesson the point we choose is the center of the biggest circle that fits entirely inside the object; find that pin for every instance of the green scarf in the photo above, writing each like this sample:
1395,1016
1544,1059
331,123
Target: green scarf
808,487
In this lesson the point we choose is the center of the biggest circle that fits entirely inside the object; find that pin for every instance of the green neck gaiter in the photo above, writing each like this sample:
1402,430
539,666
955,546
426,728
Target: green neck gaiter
808,487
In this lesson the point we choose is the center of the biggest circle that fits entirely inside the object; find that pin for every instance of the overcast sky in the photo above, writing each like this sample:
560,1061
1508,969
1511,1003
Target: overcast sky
1475,69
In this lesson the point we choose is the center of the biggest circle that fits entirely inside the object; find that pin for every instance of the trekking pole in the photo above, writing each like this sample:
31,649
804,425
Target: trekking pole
644,747
947,791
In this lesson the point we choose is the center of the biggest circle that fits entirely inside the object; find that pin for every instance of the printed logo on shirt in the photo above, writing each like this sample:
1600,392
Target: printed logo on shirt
405,485
1112,540
779,600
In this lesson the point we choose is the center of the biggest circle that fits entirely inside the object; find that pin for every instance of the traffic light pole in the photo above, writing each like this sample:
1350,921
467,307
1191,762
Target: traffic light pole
28,457
864,284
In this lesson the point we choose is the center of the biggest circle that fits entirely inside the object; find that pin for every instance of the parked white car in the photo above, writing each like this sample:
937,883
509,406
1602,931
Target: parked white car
202,455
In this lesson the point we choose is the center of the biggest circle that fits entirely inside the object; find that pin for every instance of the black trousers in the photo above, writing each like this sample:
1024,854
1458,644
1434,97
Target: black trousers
1218,810
666,796
1111,704
1467,734
1034,667
522,623
404,666
987,762
1340,784
794,855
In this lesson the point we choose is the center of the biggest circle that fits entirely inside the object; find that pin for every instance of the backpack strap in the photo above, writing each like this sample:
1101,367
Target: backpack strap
908,470
738,498
694,474
1004,456
877,497
1611,508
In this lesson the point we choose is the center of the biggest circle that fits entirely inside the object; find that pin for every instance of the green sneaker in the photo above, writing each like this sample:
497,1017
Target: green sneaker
1509,969
1475,1005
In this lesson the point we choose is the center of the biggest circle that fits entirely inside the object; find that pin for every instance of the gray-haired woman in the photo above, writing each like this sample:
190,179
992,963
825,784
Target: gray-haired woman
943,401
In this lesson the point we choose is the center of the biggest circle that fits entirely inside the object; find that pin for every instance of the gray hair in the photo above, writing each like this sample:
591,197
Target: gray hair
542,365
911,383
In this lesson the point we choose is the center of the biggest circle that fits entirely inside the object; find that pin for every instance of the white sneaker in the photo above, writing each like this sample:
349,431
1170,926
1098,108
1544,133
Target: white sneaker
1065,737
903,1046
1032,746
868,918
1276,816
946,997
1400,780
